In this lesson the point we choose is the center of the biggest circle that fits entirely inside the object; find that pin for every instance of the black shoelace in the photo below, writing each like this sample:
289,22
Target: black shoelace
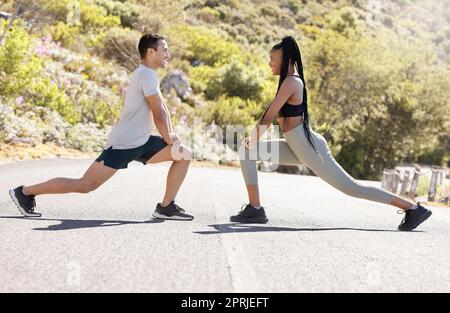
33,204
243,209
407,212
179,209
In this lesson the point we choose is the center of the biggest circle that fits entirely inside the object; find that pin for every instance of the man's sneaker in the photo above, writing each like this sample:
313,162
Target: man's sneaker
250,215
414,218
25,204
171,212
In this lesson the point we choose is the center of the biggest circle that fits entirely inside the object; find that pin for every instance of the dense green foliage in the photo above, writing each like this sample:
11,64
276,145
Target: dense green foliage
378,78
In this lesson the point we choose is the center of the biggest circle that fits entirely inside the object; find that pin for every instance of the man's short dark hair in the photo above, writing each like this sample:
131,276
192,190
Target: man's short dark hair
148,41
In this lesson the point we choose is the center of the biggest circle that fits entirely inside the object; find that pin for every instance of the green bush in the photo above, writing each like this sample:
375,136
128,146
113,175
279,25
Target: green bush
209,15
207,46
66,34
23,75
84,13
129,13
47,94
99,111
78,25
230,111
95,18
363,86
343,21
269,10
235,80
216,3
87,137
200,76
18,65
15,50
13,127
293,5
121,45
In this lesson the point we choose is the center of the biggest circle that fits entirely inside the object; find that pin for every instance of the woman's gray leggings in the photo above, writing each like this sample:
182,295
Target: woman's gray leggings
295,149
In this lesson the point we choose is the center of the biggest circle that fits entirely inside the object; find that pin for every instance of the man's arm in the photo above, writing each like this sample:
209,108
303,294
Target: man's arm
160,116
168,114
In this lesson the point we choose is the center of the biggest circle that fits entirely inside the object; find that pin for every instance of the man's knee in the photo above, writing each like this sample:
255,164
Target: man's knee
182,153
87,186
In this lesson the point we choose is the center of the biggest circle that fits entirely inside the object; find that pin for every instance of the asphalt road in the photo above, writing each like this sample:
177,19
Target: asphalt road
317,240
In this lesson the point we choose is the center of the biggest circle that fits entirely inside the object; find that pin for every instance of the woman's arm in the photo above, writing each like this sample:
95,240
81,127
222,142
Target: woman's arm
287,89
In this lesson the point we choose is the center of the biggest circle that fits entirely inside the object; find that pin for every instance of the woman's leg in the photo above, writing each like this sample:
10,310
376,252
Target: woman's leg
325,166
276,151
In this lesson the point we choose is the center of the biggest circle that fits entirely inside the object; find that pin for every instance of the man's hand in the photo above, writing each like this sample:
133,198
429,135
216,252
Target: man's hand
174,139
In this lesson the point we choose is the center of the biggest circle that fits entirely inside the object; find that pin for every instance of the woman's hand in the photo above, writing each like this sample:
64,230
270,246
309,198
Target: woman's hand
249,143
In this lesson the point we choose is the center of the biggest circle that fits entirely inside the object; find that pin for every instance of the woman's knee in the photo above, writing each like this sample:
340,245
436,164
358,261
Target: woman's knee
248,164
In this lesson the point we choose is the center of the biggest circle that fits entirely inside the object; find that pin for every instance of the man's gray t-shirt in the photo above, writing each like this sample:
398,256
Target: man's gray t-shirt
136,120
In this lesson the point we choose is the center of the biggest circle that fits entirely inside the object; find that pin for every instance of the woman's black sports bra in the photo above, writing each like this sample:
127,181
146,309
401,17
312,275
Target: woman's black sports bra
290,110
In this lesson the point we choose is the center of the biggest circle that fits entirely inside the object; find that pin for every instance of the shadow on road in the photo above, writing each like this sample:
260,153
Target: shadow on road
80,224
245,228
218,228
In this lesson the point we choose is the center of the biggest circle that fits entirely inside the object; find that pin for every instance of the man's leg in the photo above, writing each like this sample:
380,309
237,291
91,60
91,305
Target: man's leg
95,176
181,157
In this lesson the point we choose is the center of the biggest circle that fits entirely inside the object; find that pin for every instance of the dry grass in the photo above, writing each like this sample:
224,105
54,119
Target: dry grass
20,152
10,153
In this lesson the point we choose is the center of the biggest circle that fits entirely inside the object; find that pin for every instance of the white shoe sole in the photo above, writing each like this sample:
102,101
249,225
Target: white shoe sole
174,218
22,211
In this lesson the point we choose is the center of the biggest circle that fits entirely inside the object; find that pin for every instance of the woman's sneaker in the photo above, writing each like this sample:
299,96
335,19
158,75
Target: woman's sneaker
250,215
171,212
414,218
25,204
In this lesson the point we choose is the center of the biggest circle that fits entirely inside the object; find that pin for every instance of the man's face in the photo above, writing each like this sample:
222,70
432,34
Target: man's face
161,55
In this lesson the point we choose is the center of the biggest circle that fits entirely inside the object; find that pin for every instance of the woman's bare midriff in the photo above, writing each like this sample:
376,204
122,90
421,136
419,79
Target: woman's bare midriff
289,123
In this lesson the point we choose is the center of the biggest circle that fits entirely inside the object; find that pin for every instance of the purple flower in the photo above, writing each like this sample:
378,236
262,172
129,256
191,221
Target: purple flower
45,47
42,51
48,39
19,100
39,50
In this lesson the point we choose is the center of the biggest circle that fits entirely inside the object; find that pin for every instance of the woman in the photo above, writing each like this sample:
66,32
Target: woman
304,146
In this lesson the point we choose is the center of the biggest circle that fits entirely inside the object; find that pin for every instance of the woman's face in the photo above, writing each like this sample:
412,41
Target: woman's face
276,58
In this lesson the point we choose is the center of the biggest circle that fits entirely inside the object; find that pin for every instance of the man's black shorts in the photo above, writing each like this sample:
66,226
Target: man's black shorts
118,159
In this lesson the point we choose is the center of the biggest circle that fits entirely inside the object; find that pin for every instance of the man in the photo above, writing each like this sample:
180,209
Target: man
130,140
